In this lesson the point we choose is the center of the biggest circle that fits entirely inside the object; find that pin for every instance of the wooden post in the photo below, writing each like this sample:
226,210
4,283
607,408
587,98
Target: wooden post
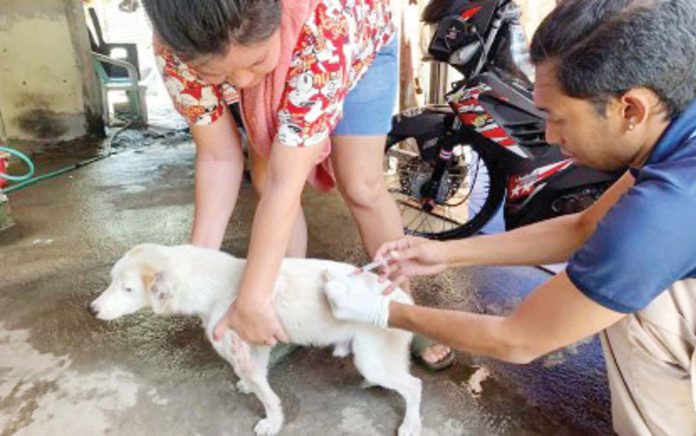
408,20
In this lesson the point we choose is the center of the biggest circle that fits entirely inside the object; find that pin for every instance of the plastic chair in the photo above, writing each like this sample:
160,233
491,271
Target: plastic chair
134,90
125,51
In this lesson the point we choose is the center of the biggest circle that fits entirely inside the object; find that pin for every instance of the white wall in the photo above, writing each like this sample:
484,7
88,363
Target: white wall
48,90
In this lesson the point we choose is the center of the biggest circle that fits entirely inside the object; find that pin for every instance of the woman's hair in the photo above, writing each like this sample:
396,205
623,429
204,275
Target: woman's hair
192,28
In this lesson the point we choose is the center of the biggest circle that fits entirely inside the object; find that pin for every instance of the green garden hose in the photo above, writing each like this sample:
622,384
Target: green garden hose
25,159
27,179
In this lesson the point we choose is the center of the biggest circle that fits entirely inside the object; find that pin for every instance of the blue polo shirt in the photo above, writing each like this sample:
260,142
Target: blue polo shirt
647,240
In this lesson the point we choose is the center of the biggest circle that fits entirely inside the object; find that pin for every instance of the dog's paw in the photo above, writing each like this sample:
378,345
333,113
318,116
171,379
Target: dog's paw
267,427
411,428
242,387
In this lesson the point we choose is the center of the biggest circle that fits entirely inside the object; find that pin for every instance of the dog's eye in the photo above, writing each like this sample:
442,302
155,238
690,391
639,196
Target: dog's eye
129,289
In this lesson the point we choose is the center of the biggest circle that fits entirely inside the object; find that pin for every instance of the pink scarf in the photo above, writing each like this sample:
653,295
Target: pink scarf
260,103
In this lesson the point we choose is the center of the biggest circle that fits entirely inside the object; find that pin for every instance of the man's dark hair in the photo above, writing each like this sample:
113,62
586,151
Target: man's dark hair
603,48
192,28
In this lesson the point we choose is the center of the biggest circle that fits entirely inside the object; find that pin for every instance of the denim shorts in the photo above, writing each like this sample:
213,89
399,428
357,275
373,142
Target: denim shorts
368,108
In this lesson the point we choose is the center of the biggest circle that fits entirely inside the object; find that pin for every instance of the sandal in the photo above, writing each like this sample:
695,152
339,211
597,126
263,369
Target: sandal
421,343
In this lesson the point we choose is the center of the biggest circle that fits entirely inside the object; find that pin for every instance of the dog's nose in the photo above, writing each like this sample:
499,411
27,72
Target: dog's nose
93,310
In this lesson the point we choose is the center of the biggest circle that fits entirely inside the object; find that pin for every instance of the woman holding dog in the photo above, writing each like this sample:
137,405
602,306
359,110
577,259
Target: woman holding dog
316,81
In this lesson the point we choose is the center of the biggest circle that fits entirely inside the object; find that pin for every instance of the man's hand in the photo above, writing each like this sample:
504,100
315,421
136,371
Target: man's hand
357,304
409,257
255,322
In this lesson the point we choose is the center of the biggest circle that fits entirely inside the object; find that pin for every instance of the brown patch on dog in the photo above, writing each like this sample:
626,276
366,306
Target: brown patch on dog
147,274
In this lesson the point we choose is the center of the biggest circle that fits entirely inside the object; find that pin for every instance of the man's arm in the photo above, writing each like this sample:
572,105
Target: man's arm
546,242
219,169
556,314
549,241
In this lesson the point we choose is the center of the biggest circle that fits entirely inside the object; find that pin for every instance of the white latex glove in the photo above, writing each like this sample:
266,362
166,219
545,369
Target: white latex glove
361,305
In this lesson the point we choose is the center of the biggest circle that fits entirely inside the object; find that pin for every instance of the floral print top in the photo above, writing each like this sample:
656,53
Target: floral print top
335,48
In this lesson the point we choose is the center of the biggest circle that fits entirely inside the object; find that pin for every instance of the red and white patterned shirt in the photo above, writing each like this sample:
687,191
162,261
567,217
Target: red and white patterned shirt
335,48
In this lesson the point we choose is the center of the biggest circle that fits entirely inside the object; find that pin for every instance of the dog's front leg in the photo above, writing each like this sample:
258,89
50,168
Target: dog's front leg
251,364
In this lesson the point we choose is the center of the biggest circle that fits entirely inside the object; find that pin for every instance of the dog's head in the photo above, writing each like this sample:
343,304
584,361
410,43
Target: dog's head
139,279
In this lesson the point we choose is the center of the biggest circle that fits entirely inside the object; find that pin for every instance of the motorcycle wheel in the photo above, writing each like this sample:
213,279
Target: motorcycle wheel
471,191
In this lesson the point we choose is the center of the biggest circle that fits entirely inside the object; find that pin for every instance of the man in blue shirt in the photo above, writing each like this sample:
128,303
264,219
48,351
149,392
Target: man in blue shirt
617,79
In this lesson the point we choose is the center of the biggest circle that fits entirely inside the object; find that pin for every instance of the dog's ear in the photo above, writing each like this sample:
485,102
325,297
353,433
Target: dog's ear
138,249
157,285
148,275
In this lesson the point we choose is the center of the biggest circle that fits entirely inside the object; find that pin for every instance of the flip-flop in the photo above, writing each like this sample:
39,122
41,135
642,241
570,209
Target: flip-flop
421,343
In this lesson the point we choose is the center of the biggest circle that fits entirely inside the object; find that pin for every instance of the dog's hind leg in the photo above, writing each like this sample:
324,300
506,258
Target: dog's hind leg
383,361
251,362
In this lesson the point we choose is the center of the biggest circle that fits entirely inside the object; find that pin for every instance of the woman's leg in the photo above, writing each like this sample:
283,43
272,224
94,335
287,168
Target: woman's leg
357,155
297,246
357,162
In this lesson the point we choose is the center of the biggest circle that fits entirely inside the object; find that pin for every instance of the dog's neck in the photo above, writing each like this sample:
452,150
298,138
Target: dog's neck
213,279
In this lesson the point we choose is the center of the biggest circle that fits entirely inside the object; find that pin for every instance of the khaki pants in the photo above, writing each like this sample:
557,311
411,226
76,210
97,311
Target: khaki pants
651,365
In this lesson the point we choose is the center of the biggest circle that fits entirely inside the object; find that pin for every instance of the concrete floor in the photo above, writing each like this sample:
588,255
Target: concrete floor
64,373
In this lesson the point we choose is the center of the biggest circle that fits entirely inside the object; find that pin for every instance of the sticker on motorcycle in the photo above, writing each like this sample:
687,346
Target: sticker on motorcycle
521,186
466,102
468,13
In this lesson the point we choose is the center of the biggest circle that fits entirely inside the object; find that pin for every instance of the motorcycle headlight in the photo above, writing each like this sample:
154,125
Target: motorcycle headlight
452,33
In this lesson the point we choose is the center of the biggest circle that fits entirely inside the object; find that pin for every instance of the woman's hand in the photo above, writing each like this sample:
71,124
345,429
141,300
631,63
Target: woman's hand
255,322
410,257
253,314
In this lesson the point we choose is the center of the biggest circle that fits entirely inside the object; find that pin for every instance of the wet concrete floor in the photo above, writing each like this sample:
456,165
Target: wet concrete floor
64,373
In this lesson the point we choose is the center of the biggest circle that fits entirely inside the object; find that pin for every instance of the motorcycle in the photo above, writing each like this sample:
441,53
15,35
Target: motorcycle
451,167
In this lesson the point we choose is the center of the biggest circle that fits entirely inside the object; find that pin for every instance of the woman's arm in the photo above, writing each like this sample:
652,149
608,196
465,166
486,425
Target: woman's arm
252,315
219,169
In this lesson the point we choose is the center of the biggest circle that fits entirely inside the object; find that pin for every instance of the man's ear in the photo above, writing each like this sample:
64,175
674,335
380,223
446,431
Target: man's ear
637,106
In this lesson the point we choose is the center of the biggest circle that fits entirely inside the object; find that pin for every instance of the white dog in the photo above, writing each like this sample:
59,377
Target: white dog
195,281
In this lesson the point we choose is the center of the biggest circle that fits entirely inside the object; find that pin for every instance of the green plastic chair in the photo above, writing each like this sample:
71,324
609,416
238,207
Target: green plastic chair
133,89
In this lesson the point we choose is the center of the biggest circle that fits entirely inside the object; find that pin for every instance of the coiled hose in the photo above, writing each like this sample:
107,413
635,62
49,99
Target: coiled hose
26,179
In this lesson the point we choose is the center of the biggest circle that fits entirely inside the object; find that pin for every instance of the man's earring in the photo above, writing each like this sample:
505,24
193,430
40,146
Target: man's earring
631,126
